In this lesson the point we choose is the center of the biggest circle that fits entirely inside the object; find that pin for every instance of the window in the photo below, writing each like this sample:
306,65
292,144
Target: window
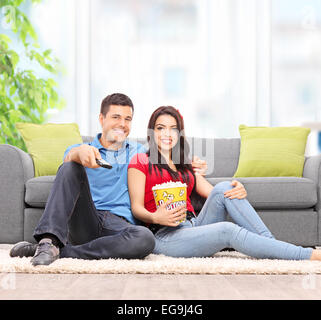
220,62
195,55
296,62
54,21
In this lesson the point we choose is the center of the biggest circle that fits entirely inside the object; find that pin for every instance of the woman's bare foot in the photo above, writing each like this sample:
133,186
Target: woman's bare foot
316,255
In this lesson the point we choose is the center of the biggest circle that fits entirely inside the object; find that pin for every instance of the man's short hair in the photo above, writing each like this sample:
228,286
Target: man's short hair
117,99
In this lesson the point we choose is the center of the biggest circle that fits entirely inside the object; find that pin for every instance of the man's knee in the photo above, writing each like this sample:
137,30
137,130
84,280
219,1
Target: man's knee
71,169
70,166
146,241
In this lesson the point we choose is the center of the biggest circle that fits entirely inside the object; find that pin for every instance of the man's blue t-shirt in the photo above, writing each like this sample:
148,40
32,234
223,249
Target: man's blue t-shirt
109,188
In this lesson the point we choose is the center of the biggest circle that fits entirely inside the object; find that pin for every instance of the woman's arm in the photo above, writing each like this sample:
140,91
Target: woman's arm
162,216
136,188
204,188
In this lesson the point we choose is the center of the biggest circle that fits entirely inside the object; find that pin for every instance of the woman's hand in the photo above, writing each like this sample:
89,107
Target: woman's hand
170,218
238,192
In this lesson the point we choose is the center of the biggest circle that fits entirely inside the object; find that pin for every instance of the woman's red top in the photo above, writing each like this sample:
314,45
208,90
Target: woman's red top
140,162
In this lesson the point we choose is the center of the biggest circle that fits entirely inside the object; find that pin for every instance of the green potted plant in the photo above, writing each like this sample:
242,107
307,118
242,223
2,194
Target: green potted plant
24,95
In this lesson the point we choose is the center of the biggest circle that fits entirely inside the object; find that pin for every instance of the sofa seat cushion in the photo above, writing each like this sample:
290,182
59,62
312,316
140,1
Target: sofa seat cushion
277,192
263,193
37,191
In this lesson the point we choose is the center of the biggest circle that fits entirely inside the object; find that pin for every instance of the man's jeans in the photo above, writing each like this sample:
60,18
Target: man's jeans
210,232
85,232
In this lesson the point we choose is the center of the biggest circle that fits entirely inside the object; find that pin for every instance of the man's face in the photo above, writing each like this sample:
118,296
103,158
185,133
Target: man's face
116,124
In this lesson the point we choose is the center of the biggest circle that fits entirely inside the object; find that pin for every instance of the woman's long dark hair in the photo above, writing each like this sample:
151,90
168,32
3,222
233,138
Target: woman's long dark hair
180,152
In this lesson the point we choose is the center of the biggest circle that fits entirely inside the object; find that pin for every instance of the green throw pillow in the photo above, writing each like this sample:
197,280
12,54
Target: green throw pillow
46,143
272,152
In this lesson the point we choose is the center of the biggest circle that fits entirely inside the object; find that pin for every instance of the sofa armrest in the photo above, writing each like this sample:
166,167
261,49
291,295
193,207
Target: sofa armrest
312,171
16,167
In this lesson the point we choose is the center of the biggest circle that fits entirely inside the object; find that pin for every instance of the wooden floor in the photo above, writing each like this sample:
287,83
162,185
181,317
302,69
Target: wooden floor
159,287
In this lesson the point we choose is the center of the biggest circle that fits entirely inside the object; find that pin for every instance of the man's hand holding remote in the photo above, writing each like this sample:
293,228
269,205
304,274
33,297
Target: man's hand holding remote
85,155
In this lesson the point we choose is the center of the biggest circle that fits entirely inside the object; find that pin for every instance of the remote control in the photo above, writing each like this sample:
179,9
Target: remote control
103,163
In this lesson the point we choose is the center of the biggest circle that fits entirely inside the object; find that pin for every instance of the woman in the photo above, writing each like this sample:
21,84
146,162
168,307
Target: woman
209,232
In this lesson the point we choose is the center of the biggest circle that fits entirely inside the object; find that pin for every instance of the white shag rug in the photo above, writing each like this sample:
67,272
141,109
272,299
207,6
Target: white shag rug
225,262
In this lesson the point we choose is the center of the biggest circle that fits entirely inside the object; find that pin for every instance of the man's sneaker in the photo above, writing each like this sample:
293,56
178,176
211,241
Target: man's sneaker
23,249
46,253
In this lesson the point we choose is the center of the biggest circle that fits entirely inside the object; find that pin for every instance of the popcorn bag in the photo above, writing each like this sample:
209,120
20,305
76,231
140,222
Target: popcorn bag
175,191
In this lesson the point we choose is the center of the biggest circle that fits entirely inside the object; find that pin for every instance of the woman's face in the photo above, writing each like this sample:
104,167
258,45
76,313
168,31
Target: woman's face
166,132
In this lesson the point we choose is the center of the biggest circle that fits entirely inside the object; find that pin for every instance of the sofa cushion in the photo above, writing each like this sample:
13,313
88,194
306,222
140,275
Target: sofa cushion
277,192
272,152
46,143
37,191
263,193
221,155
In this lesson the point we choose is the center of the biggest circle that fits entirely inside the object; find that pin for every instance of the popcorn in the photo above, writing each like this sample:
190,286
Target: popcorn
170,184
174,191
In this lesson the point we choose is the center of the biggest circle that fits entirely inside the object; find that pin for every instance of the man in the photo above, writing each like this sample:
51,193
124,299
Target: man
88,213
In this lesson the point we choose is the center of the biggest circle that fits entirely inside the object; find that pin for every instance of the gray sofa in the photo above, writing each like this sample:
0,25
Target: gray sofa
289,206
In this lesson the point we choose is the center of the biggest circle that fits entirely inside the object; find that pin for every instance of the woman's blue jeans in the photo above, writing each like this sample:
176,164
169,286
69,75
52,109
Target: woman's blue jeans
209,232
